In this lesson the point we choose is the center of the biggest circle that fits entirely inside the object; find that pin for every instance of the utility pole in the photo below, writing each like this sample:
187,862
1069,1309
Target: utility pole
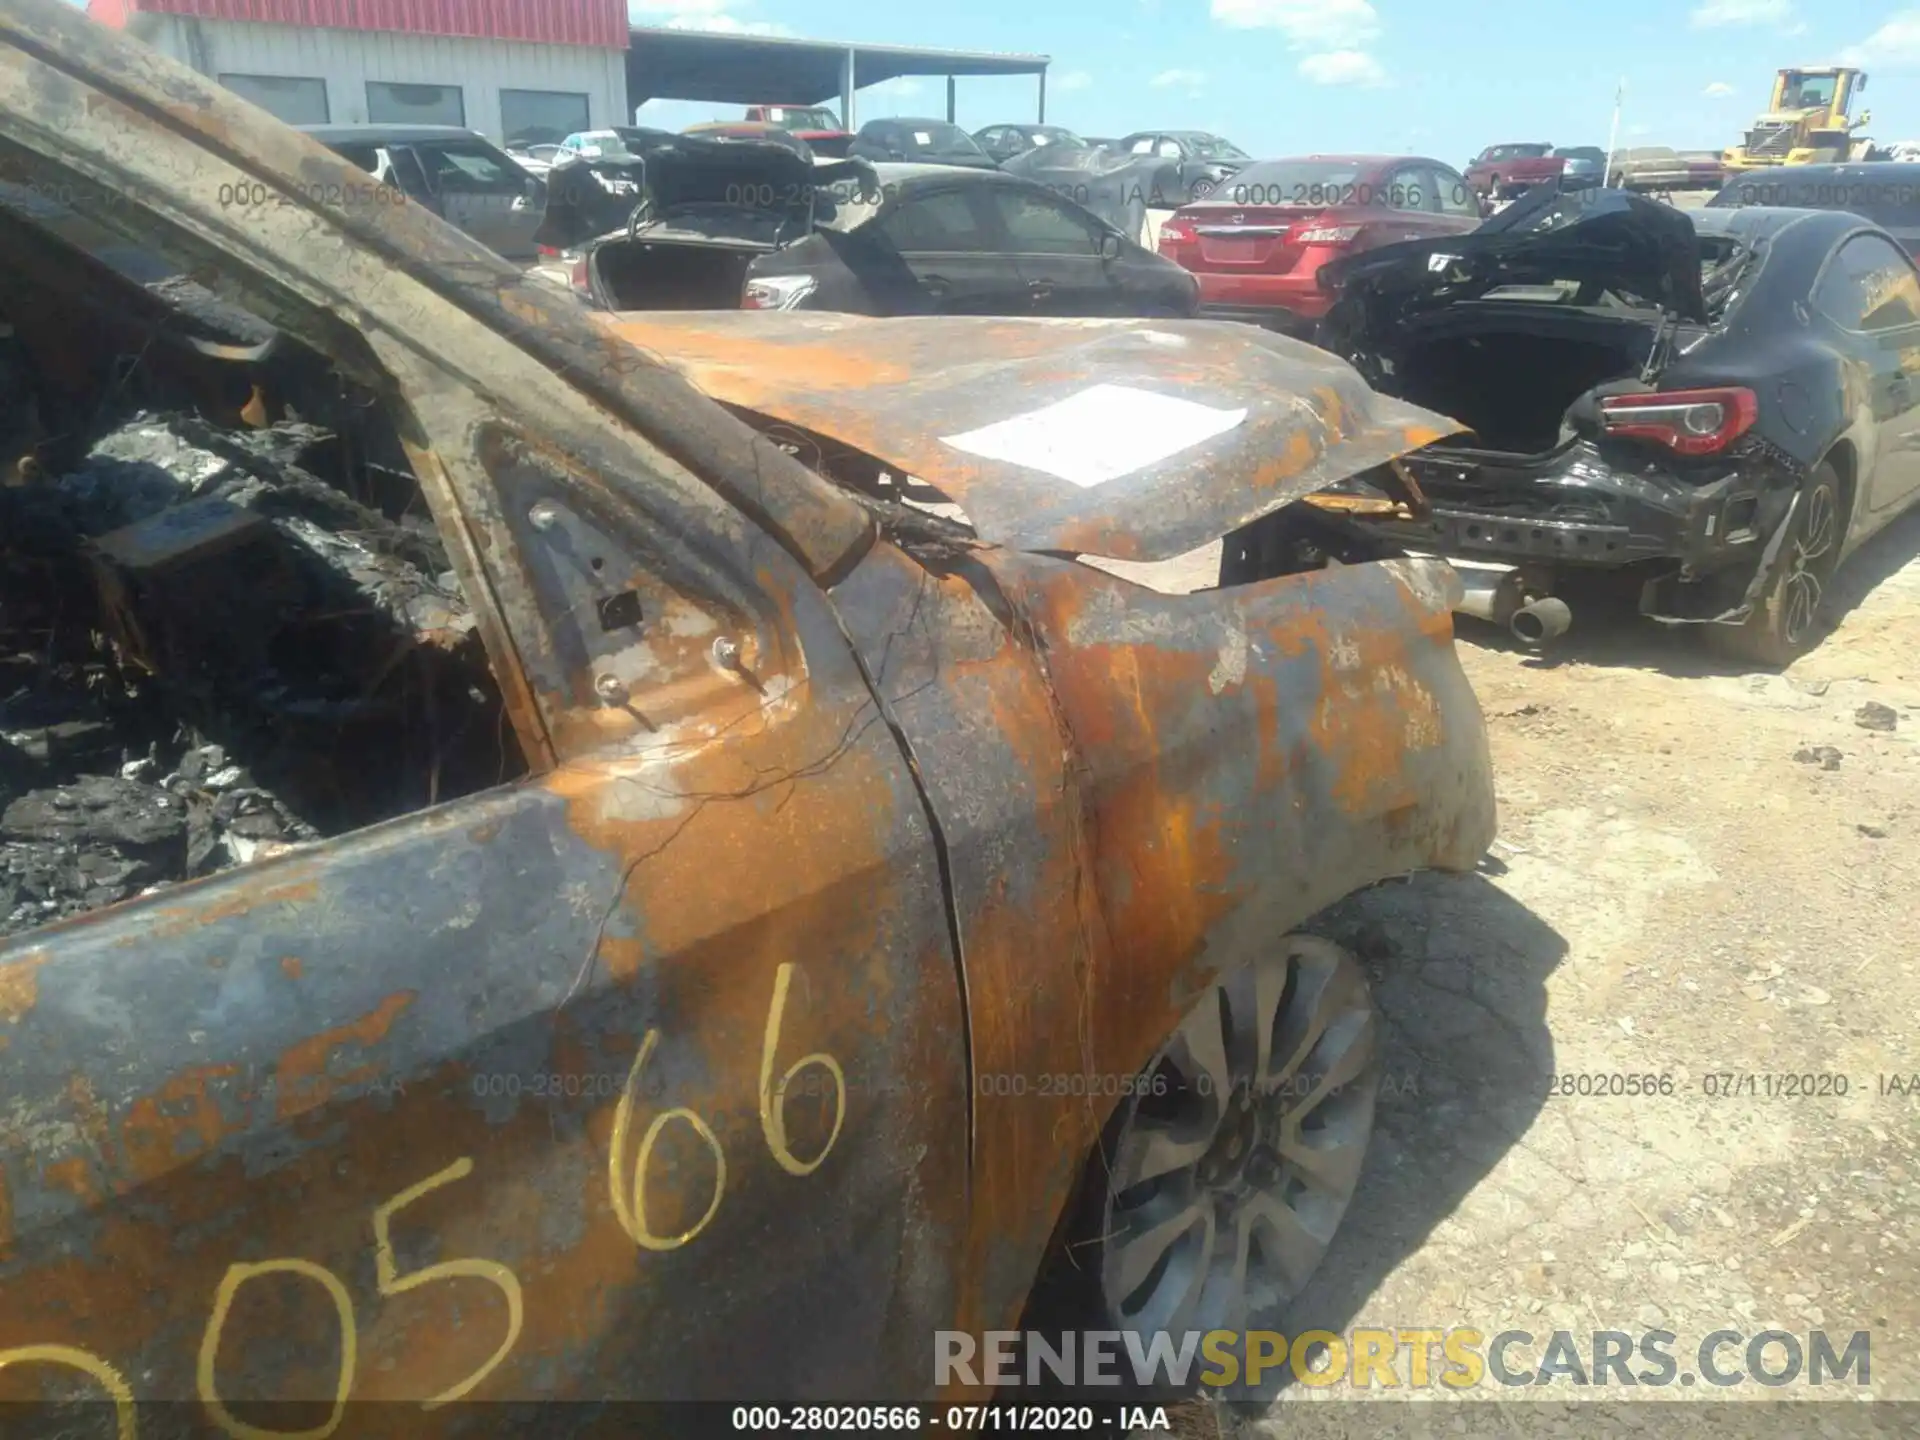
1613,134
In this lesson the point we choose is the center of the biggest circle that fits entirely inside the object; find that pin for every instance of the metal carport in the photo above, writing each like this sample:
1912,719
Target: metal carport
665,64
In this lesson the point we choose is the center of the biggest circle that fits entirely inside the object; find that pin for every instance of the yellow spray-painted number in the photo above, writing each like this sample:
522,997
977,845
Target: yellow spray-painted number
389,1281
630,1195
90,1365
627,1177
237,1275
392,1282
773,1099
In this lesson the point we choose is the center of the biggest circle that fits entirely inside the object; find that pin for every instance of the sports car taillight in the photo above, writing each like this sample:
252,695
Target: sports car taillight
1687,422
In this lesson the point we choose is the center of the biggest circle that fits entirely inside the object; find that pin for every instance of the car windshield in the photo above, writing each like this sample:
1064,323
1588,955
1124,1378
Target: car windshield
802,117
469,165
938,139
1212,147
1582,152
1053,135
1295,182
1519,152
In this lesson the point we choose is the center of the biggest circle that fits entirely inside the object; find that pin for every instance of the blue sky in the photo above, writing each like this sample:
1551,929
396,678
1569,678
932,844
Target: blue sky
1294,76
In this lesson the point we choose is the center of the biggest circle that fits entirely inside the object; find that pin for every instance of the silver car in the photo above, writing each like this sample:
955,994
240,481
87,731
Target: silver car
1586,165
459,174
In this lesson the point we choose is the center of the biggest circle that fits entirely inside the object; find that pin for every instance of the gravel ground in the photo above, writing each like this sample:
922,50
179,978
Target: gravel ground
1701,874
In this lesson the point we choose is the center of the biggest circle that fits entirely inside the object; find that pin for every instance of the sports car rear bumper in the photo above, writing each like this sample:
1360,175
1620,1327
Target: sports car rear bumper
1696,536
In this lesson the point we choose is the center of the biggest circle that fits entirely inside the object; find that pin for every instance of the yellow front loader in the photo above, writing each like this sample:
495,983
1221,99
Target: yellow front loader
1807,123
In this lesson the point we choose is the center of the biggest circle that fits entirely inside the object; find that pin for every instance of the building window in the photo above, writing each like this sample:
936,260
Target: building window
290,98
389,104
541,117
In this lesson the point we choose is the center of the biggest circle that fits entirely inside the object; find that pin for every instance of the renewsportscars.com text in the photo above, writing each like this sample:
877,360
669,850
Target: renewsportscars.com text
1459,1358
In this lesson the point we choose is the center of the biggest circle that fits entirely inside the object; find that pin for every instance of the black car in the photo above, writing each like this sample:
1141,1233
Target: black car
1886,193
1196,162
459,174
920,142
949,243
1003,142
874,240
1715,410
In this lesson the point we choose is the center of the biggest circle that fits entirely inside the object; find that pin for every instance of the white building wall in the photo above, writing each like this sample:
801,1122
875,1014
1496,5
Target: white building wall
348,59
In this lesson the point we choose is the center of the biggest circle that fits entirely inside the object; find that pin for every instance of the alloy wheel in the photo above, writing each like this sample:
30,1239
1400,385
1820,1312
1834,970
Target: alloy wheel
1801,588
1244,1145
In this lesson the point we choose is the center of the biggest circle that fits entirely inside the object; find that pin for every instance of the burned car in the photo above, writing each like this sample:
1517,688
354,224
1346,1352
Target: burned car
1712,411
684,826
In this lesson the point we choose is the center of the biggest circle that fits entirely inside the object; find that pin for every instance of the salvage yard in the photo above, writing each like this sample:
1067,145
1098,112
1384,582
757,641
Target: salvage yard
1702,874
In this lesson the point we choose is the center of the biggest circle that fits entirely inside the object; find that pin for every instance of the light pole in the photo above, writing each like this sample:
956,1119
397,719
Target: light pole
1613,134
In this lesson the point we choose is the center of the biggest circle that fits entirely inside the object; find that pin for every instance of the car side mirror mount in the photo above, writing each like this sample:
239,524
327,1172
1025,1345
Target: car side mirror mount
1109,246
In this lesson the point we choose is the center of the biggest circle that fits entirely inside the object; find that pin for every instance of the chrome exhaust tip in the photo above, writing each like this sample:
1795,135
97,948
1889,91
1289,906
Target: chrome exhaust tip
1541,621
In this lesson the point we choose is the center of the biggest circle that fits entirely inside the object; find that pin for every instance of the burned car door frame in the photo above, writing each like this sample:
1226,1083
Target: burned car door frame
683,1063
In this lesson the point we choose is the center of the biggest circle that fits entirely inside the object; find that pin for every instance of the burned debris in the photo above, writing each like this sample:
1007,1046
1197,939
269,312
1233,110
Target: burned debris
210,653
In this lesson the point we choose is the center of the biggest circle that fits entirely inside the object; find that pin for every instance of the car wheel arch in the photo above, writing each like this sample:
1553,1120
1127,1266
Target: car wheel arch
1846,466
1066,1280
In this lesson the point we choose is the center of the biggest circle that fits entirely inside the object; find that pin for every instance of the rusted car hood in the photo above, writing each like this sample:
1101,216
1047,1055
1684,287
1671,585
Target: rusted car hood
1129,439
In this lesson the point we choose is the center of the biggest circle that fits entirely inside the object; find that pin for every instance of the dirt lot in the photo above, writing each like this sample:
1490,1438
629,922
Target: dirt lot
1702,874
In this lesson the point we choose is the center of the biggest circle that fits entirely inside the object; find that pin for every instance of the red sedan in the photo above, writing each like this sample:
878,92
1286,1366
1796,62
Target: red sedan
1257,242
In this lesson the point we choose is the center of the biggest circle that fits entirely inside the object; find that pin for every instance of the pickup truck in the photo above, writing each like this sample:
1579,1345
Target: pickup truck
815,124
1500,171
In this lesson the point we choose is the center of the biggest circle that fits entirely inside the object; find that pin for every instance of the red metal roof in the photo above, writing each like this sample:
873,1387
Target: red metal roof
553,22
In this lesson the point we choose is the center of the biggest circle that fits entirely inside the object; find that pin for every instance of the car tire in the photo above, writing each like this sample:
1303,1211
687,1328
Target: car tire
1219,1183
1786,623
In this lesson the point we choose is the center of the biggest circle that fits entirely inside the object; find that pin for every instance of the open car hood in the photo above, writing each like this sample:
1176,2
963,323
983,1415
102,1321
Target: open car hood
587,198
1130,439
1630,244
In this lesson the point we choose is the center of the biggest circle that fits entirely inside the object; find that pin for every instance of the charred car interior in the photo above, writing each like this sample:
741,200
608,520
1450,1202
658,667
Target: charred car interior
227,623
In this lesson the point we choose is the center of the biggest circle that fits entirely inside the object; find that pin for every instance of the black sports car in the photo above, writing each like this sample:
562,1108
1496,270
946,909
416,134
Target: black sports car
1717,410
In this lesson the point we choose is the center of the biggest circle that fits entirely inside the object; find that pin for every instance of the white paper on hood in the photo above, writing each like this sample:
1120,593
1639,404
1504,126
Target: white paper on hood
1101,434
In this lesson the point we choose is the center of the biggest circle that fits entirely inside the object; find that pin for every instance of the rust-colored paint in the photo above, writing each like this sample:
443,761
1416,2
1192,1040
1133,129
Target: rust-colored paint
306,1078
897,390
19,986
75,1176
180,1120
290,966
174,920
